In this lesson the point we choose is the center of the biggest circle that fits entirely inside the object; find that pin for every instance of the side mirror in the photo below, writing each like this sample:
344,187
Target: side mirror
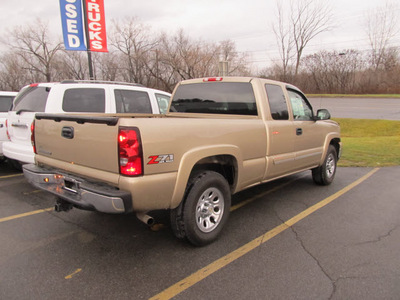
322,114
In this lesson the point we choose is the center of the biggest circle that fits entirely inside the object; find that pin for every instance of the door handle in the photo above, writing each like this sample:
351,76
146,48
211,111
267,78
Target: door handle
20,125
299,131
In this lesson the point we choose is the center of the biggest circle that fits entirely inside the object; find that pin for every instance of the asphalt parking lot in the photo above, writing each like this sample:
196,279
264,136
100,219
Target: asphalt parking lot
360,108
287,239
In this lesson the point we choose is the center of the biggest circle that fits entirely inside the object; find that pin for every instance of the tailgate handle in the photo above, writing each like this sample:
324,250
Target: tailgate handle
67,132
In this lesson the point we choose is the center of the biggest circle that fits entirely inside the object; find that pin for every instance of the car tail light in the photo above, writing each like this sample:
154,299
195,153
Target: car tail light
8,134
130,151
33,137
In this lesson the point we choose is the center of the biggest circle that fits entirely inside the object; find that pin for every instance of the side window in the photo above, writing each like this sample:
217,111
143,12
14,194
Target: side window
302,110
84,100
162,101
128,101
277,102
5,103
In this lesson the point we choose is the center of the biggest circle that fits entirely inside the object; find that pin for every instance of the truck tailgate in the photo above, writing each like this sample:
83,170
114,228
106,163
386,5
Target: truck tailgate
83,141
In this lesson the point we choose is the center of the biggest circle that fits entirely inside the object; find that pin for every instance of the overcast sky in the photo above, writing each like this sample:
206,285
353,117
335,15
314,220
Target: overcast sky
247,23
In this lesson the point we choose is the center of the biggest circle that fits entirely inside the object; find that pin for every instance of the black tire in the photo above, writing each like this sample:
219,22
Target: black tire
15,164
204,210
325,174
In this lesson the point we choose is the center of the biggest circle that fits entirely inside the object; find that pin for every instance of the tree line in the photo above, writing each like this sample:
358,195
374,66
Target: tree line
135,55
160,60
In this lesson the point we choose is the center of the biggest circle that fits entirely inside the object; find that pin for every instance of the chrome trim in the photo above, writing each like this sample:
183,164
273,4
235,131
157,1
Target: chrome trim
77,194
19,125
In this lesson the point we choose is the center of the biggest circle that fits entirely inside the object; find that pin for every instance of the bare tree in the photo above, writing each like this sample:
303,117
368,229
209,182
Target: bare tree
237,63
284,38
132,39
12,75
333,72
304,21
179,57
382,25
35,47
73,65
109,66
188,58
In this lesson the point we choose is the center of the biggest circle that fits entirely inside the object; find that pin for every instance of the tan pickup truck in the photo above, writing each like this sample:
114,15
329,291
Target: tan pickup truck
220,136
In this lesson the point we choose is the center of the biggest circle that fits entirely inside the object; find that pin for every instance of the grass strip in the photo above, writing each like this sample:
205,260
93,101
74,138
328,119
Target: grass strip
370,143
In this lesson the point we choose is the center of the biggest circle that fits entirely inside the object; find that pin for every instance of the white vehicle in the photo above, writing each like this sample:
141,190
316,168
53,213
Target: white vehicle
6,99
73,97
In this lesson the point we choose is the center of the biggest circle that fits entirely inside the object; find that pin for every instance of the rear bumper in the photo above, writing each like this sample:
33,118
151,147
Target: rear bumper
79,192
22,153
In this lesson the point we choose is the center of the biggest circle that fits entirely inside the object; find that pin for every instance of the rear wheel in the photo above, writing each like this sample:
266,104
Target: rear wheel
325,174
205,209
15,164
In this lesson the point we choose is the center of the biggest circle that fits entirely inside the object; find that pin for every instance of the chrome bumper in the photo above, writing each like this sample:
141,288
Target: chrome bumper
79,192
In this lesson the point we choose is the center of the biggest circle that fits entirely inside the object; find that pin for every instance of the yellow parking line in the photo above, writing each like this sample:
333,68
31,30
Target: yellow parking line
73,274
11,176
32,192
26,214
201,274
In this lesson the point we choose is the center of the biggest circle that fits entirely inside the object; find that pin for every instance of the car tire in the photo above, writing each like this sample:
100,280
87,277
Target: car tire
325,174
204,211
15,164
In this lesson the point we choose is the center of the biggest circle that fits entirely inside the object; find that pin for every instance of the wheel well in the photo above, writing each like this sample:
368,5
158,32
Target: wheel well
226,165
335,142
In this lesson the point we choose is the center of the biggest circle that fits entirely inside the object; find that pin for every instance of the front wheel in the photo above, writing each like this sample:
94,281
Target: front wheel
205,209
325,174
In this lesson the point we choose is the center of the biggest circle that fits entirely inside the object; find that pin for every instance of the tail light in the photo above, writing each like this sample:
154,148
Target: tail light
130,151
8,134
33,136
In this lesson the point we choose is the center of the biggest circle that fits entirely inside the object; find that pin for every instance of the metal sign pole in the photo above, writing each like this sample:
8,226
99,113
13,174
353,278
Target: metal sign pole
89,53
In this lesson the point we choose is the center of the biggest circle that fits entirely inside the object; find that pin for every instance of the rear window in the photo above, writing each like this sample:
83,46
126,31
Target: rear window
32,99
5,103
128,101
84,100
236,98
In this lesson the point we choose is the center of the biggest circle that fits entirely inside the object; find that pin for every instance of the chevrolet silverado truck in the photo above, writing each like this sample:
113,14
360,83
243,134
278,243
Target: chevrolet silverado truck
220,136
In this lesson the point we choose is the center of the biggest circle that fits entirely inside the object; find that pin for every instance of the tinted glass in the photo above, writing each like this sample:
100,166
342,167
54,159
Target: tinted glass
163,102
235,98
84,100
128,101
5,103
277,102
32,99
302,110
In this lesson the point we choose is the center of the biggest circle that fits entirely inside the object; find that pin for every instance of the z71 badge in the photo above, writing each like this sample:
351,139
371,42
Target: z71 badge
161,159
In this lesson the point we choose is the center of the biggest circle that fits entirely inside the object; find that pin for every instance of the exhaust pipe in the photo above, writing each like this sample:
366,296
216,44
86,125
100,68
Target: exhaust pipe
145,218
